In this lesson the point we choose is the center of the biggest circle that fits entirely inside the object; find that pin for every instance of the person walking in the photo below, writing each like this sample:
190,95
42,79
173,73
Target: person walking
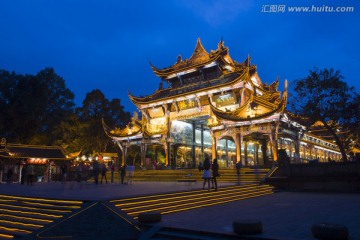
23,174
9,175
112,169
215,172
30,174
131,171
200,167
122,173
238,167
64,173
103,172
206,173
96,171
78,173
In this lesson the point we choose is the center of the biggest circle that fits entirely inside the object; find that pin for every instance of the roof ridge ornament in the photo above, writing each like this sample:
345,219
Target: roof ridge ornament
199,54
179,59
221,44
199,46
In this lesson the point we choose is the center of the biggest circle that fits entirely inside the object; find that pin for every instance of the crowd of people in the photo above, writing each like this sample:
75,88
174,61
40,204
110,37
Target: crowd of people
98,172
101,169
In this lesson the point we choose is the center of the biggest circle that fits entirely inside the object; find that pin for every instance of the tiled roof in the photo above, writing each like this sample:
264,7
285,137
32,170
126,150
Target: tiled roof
31,151
187,89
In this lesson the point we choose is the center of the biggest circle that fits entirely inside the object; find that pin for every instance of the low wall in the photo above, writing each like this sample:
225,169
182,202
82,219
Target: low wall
328,177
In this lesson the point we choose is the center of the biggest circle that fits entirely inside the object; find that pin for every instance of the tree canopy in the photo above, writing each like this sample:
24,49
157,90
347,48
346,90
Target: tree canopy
95,108
40,109
324,96
33,106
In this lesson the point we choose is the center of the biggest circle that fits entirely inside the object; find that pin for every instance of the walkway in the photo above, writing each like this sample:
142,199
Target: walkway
284,215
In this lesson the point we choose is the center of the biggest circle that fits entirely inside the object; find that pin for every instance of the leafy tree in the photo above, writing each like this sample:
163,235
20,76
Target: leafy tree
71,132
8,83
324,96
33,106
40,110
57,107
95,108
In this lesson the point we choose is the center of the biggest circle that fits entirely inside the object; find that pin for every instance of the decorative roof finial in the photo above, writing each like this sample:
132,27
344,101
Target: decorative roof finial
221,44
179,59
136,115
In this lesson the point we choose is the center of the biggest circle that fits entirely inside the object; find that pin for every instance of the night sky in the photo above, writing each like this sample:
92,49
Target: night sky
108,45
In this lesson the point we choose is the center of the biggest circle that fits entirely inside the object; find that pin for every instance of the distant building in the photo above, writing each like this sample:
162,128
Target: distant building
15,156
210,105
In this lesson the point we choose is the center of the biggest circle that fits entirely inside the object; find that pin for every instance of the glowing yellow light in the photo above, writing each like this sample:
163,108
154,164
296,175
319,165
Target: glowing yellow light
42,199
51,205
2,235
26,218
32,208
22,224
191,200
31,213
259,191
15,230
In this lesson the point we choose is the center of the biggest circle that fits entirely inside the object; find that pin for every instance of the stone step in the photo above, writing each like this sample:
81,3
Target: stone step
183,201
20,216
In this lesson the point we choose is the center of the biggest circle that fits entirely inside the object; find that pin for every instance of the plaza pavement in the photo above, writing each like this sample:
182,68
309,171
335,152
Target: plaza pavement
284,215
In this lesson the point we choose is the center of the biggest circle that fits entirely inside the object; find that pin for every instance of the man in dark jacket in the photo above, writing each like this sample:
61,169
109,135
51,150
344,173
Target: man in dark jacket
122,170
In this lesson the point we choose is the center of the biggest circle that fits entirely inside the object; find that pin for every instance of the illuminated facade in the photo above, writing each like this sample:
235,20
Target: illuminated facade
15,156
210,105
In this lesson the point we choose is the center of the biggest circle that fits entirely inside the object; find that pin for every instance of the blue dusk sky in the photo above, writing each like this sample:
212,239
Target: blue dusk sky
108,44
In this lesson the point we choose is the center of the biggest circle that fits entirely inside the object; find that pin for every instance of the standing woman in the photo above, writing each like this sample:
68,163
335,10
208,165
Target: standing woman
215,172
207,173
131,170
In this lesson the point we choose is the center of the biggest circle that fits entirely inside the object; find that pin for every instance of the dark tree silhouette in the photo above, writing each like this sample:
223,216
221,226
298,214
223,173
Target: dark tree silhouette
32,107
95,108
324,96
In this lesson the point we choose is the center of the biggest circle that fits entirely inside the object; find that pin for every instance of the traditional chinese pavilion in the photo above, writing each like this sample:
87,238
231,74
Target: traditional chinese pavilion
211,105
14,156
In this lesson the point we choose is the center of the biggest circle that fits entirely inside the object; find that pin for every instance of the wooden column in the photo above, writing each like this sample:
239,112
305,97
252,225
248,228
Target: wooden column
143,148
20,175
202,141
273,144
245,153
214,147
193,146
297,150
123,152
256,153
227,152
167,143
264,150
238,147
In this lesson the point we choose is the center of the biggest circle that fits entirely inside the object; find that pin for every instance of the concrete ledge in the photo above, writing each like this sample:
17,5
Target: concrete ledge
247,227
149,217
186,180
330,231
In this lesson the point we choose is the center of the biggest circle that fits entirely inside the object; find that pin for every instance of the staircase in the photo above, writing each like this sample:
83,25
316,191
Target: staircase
183,201
20,216
247,175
